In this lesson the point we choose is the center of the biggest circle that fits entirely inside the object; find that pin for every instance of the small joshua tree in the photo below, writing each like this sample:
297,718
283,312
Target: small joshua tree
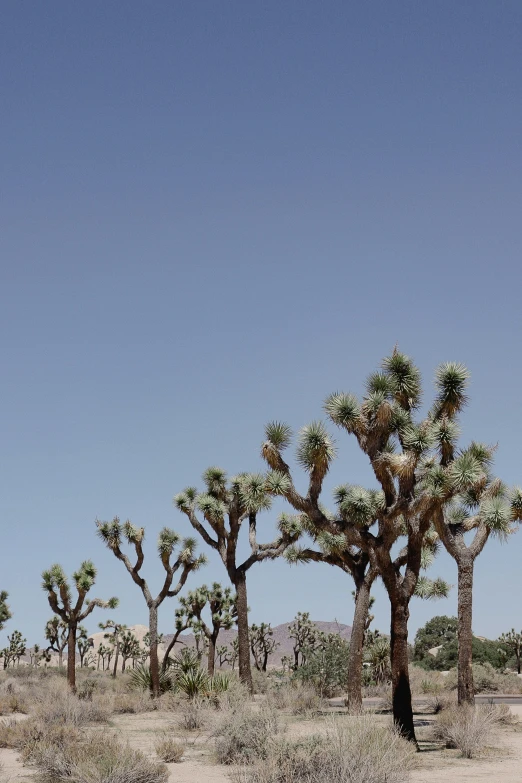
262,644
15,650
305,635
183,622
112,533
513,641
84,644
113,636
229,653
103,652
129,647
73,612
56,633
225,505
223,612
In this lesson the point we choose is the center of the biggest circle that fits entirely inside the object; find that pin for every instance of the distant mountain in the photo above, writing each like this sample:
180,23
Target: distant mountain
281,635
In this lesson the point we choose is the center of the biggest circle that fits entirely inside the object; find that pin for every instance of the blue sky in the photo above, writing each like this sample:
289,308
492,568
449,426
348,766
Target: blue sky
215,214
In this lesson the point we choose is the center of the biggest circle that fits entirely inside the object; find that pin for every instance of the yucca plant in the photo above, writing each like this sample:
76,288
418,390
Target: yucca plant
193,683
219,683
141,678
73,612
419,473
185,661
169,544
225,505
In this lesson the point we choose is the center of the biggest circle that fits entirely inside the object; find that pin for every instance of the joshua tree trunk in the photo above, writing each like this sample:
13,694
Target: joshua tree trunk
71,657
355,656
211,654
153,651
402,707
116,655
245,670
466,693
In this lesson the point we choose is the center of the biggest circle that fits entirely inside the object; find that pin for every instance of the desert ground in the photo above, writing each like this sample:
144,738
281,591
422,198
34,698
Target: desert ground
500,761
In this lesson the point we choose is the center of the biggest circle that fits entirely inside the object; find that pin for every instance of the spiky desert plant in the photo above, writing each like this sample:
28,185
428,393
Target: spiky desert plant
129,647
73,612
229,653
305,637
487,509
5,612
418,472
102,652
513,641
225,506
169,544
56,633
84,644
222,605
262,644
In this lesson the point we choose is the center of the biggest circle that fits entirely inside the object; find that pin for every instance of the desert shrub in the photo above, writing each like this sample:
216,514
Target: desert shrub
234,696
260,681
359,751
441,700
168,748
488,680
326,665
194,715
66,708
242,735
133,702
96,758
425,682
25,735
466,728
140,678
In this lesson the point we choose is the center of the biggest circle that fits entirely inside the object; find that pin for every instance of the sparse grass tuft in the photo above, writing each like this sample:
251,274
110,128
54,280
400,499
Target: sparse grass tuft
168,748
242,735
467,728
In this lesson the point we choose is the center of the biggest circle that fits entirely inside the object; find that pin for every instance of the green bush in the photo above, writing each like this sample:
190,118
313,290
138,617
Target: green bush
326,665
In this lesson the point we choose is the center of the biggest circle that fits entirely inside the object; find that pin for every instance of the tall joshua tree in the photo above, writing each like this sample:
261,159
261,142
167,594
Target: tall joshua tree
485,509
73,612
417,471
56,633
225,505
223,613
185,561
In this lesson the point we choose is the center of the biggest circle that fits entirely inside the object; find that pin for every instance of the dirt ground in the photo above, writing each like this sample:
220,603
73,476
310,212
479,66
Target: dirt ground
501,763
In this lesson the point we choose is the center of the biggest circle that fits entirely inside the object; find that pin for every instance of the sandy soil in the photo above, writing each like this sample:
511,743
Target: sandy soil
502,763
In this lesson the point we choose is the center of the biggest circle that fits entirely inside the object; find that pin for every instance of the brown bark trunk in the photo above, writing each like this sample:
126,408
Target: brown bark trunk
71,658
211,655
355,656
153,653
245,670
116,655
401,691
466,691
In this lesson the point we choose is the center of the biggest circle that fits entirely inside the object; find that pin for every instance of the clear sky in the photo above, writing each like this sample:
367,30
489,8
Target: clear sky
213,214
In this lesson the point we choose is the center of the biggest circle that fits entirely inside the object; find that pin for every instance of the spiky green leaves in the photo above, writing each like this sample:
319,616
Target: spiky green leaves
278,434
343,410
110,533
359,506
404,380
465,472
213,510
252,493
85,577
516,504
495,513
431,589
277,483
451,381
290,525
5,613
315,449
167,540
215,479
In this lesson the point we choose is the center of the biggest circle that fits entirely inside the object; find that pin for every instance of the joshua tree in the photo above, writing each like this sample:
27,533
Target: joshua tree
225,506
228,654
513,641
262,644
114,641
486,508
222,654
84,644
182,622
15,650
305,635
129,647
111,534
73,613
102,653
5,613
418,472
223,612
56,633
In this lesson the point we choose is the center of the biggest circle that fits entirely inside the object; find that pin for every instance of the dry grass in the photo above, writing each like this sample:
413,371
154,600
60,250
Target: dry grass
357,751
168,748
467,728
296,698
243,736
96,758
